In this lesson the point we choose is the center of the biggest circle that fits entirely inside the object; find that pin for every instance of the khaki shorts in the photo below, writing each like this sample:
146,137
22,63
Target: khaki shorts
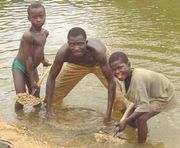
159,106
71,74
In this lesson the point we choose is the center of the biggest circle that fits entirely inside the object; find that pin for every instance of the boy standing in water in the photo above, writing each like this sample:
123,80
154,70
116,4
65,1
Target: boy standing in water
74,60
31,53
150,92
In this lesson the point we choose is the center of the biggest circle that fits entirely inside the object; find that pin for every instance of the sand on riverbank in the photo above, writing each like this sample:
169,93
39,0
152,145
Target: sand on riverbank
20,137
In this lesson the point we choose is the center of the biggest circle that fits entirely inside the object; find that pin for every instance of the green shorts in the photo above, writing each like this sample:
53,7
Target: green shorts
17,65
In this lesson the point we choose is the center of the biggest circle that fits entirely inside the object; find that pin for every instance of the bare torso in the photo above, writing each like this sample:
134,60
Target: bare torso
89,53
37,47
92,53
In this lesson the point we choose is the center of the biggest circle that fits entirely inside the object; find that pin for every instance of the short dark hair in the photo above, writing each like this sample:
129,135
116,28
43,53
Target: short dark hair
35,5
118,56
76,31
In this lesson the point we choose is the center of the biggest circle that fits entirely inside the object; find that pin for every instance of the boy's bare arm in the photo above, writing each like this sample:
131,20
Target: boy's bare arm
28,53
50,85
122,124
111,83
45,61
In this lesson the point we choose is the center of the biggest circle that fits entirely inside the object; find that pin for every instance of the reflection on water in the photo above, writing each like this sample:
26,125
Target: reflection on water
148,31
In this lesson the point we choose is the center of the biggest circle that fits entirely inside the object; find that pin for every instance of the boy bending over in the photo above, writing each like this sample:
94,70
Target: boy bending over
150,92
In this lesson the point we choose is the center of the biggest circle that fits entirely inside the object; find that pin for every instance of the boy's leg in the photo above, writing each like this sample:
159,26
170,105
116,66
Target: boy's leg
69,76
142,125
19,84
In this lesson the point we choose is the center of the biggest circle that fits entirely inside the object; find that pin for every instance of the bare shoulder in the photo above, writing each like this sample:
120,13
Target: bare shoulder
27,35
46,32
97,45
62,52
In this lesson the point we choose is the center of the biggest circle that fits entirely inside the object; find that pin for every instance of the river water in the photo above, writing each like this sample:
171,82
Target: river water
148,31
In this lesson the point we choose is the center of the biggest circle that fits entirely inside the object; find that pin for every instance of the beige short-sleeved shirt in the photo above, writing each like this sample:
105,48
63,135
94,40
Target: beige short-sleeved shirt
149,89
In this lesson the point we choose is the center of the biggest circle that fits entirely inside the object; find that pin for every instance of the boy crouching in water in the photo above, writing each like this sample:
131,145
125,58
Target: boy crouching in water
150,92
30,54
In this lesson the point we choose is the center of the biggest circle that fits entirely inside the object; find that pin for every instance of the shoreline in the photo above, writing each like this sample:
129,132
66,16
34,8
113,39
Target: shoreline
20,137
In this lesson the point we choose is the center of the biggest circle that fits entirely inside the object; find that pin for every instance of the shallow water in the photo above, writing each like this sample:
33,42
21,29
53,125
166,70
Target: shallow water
148,31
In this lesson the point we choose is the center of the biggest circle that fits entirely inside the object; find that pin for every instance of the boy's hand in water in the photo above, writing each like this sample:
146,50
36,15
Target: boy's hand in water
46,63
120,126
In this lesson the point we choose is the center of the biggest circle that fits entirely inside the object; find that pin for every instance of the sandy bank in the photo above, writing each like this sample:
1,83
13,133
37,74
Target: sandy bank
20,137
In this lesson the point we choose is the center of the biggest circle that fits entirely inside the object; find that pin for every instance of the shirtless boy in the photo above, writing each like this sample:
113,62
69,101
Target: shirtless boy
74,60
30,54
151,92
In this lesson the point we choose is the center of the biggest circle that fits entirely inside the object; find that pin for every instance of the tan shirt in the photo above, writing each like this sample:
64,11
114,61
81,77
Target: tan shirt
147,86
